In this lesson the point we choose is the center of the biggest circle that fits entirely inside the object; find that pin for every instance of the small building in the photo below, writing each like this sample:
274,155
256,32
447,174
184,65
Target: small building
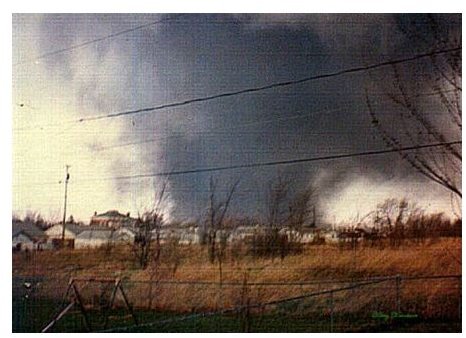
293,235
72,230
98,237
187,238
244,233
190,235
125,234
330,236
113,219
27,236
310,236
93,238
167,233
352,235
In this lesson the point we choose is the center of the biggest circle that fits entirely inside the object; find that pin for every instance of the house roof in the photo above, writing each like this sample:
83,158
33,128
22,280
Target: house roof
72,227
29,229
127,230
75,228
103,233
112,213
96,234
79,228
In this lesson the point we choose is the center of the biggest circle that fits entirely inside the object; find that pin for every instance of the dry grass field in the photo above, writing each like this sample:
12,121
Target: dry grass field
442,256
329,263
184,282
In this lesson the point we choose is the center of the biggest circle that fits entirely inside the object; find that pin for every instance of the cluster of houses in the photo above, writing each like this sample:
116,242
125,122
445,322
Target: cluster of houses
110,227
113,227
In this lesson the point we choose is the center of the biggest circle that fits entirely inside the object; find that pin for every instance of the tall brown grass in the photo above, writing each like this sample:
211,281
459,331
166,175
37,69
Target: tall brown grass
322,262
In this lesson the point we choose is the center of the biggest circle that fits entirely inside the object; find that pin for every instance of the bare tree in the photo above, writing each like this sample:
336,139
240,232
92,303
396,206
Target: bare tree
302,208
427,97
390,212
148,227
277,202
217,235
393,217
172,255
15,217
142,246
34,217
285,208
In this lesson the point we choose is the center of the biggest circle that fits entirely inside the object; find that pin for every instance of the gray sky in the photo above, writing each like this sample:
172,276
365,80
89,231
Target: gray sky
189,56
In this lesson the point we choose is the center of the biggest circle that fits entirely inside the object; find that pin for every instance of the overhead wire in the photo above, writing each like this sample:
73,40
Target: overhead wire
89,42
270,163
269,86
234,129
275,163
177,16
256,89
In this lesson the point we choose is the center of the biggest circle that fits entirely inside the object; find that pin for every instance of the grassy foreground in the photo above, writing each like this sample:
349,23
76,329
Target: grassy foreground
435,302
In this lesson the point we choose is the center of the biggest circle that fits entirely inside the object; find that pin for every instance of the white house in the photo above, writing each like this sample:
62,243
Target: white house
190,236
124,234
22,241
97,237
167,233
308,236
291,234
93,239
243,233
331,236
27,236
71,231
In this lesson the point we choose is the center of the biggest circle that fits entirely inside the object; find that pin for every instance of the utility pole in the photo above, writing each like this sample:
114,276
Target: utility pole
67,177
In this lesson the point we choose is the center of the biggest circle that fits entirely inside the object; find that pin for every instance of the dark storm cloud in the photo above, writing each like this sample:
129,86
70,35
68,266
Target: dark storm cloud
209,54
202,55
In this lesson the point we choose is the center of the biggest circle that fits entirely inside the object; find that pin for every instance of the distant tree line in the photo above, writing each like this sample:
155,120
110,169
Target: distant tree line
396,222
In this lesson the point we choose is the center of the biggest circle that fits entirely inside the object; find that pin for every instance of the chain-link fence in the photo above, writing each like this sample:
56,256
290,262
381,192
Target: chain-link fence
389,303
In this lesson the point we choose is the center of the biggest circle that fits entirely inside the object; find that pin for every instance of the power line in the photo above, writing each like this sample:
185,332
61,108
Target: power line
266,164
234,130
86,43
274,163
40,128
269,86
250,90
176,16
